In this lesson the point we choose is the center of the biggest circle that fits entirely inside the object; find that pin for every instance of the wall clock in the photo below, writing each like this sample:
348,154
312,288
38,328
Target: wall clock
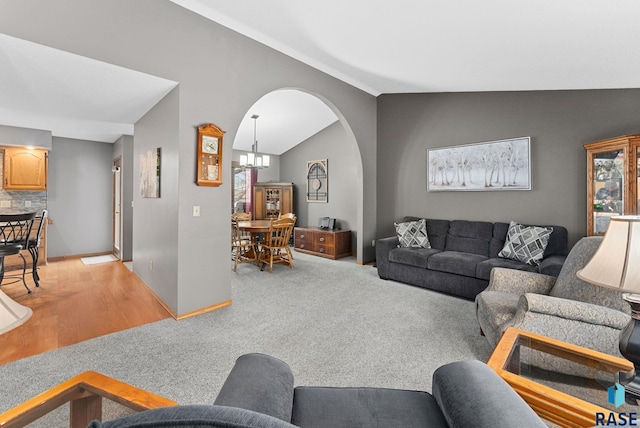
209,159
317,181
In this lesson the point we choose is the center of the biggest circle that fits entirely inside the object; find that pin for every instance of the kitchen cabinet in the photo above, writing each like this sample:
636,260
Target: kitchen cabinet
24,169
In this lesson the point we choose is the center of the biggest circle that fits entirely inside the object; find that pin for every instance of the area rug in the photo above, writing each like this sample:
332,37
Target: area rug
98,259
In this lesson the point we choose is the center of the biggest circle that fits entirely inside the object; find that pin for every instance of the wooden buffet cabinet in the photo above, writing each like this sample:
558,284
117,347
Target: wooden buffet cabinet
613,179
272,199
332,244
25,169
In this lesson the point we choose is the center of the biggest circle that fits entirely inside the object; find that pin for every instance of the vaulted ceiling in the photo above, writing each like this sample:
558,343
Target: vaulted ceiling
378,46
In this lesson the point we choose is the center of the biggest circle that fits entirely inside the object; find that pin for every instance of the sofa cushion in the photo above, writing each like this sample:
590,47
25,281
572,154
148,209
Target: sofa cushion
364,407
483,270
438,230
412,256
455,262
557,245
413,234
469,237
526,243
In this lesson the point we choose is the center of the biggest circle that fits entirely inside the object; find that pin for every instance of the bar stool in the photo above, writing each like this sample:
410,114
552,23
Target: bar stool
14,236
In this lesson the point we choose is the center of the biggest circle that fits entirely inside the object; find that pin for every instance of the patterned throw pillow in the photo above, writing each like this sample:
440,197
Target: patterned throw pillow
413,234
526,243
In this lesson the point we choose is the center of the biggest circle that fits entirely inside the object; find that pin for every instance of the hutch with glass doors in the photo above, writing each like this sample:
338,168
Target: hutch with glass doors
272,199
613,178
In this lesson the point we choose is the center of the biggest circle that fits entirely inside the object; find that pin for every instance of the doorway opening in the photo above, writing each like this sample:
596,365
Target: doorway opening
117,207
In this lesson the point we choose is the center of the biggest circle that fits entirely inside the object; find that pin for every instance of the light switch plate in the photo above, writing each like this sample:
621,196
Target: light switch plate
5,204
196,210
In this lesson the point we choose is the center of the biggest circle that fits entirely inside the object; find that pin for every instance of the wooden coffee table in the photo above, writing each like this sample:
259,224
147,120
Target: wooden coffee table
566,400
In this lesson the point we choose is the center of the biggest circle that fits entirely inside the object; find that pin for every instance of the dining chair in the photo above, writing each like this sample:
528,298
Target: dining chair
275,248
287,215
33,245
14,237
243,243
291,216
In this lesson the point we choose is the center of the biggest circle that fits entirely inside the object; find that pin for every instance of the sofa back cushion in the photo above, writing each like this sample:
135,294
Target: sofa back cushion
437,231
469,237
558,244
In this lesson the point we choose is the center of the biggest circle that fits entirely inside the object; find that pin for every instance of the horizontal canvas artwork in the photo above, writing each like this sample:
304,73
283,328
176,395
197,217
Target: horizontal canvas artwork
493,165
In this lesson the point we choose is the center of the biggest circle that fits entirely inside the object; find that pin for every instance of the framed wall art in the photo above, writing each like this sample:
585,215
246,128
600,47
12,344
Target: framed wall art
493,165
209,158
150,173
317,181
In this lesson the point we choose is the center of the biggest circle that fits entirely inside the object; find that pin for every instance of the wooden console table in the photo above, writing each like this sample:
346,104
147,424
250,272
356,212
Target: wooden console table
332,244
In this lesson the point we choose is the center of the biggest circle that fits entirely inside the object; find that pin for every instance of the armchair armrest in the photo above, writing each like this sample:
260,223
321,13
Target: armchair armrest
519,281
471,394
260,383
572,310
383,246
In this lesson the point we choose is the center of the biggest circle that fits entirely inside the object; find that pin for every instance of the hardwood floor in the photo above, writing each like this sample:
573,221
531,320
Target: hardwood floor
76,302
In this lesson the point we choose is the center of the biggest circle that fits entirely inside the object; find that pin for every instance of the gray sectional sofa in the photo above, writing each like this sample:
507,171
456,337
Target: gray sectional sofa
260,393
461,256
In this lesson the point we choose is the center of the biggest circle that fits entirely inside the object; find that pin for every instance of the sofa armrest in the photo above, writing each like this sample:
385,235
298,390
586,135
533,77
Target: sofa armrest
470,394
383,246
519,281
552,265
571,310
260,383
200,416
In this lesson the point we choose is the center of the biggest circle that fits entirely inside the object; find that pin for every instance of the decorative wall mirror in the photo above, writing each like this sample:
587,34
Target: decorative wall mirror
209,163
317,181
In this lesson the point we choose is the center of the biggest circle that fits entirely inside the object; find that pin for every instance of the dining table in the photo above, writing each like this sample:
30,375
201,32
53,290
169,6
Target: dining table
255,226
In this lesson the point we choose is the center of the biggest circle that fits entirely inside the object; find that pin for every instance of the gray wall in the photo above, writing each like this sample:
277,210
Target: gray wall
123,149
558,122
332,144
79,198
221,74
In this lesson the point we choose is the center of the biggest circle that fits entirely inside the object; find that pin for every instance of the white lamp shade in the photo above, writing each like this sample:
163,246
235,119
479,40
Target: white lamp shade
265,161
12,314
243,160
616,263
251,159
258,161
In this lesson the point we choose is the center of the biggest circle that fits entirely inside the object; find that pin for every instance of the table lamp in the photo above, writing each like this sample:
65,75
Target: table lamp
12,314
616,264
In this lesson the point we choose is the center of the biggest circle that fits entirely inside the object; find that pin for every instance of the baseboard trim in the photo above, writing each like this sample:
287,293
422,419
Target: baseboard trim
77,256
204,310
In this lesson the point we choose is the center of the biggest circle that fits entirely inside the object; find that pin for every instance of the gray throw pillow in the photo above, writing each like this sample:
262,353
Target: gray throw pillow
413,234
526,244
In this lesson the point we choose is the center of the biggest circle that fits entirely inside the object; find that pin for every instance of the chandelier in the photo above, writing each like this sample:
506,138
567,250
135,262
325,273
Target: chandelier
253,158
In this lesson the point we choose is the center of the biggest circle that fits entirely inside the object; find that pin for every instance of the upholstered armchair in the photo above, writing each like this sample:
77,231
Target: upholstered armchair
564,308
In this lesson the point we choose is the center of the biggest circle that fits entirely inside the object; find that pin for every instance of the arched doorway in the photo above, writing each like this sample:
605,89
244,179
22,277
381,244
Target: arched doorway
293,128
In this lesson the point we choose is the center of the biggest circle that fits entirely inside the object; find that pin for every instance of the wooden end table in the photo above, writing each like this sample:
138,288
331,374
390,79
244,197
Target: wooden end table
563,399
